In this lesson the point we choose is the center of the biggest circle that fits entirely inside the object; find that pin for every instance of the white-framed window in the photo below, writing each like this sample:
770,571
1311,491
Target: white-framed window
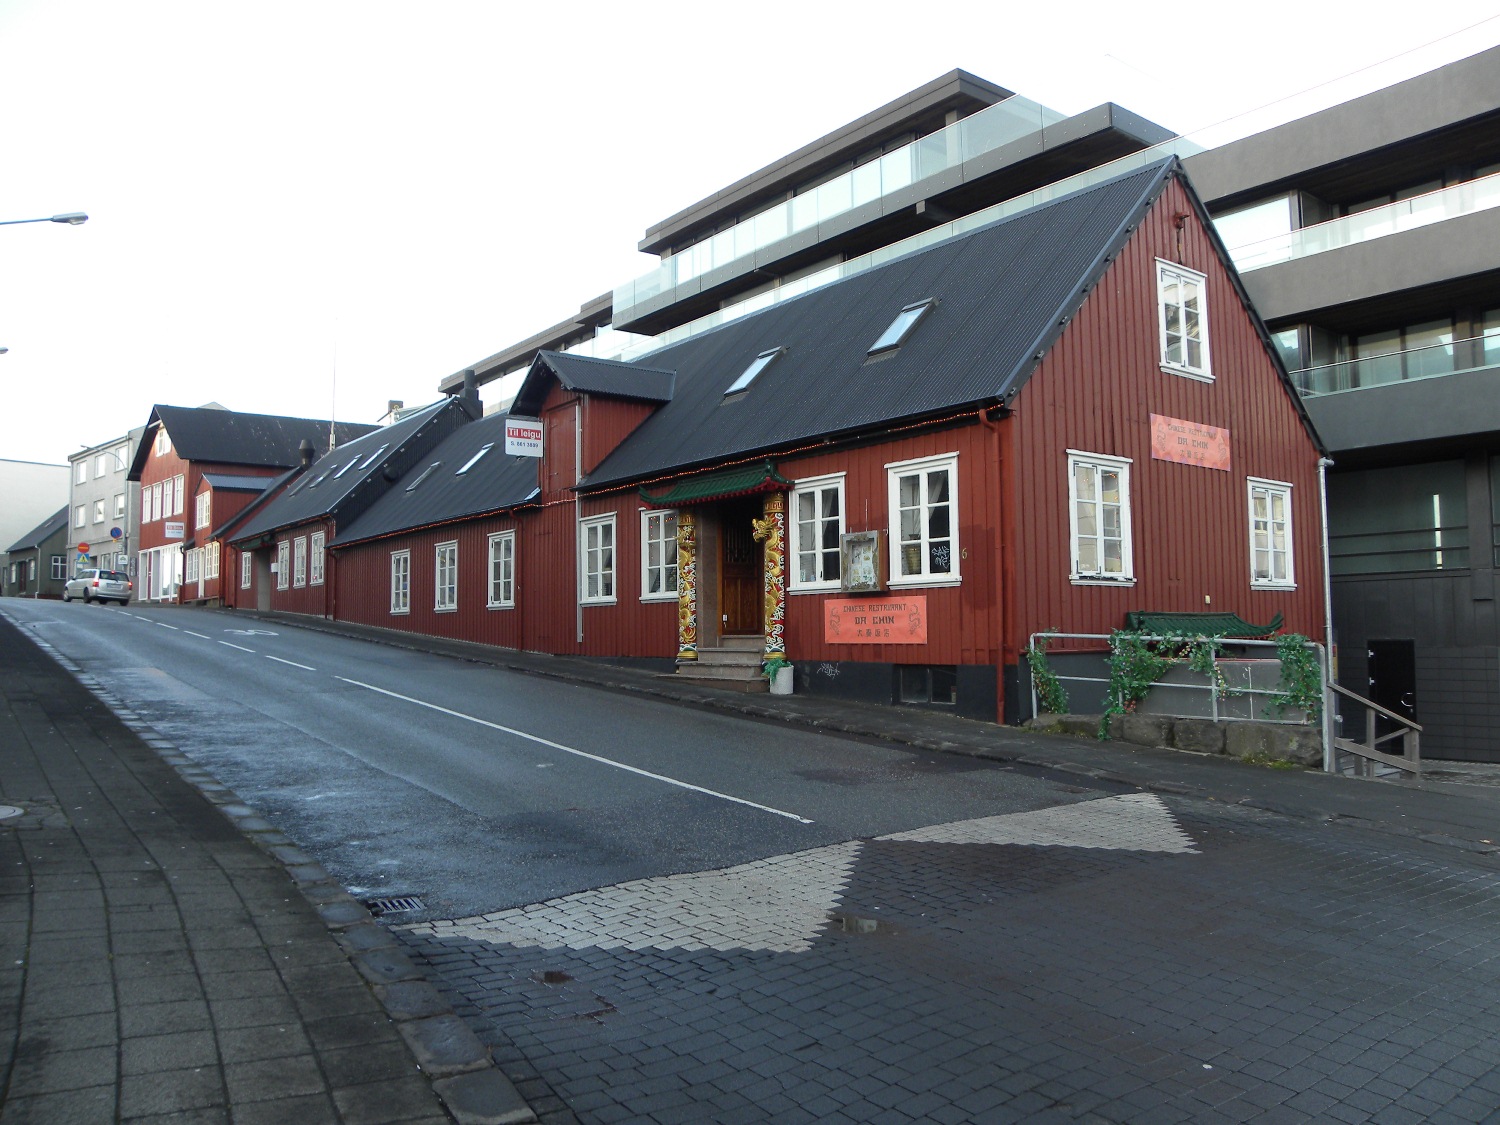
81,473
1183,318
59,566
203,509
81,516
211,560
923,499
283,569
145,503
31,570
122,458
156,508
101,463
400,581
299,561
98,511
316,548
658,556
246,563
194,564
119,505
816,525
445,578
163,442
596,560
177,495
502,570
1271,534
1099,517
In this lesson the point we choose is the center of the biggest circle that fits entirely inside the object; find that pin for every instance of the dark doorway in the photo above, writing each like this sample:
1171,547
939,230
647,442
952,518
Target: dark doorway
1393,679
740,570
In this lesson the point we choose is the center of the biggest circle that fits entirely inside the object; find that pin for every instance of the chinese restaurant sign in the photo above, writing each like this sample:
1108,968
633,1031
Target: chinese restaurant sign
1189,443
902,622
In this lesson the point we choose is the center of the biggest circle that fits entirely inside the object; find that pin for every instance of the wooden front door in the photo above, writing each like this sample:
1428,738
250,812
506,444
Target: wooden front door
740,569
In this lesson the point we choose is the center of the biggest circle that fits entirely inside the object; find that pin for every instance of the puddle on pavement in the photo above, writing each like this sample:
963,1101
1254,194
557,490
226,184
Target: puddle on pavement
854,924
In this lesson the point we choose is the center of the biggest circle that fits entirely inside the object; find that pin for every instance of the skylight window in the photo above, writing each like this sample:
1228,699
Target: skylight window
372,458
906,320
757,365
472,461
346,468
427,472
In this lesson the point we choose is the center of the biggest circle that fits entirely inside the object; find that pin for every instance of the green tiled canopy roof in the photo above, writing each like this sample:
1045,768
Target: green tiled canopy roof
1200,625
717,486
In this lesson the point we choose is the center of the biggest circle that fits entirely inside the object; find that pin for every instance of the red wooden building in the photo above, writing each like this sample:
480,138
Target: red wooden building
892,481
279,551
197,468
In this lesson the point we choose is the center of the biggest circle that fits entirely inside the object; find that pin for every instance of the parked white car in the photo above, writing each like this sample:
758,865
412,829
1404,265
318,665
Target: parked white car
99,586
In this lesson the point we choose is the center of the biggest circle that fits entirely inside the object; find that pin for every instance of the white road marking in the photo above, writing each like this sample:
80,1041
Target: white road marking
783,903
1134,822
578,753
293,663
164,625
240,647
200,636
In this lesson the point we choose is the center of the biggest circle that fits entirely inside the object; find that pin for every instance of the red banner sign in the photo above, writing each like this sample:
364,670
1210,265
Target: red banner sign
902,622
1189,443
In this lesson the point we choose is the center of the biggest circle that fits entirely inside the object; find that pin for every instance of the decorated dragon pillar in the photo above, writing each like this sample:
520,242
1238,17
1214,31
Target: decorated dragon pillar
687,586
771,533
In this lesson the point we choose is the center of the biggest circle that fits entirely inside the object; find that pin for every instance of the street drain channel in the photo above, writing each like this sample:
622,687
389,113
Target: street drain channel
401,904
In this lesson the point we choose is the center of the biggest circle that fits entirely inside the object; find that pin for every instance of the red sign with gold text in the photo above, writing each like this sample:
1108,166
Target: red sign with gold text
902,622
1189,443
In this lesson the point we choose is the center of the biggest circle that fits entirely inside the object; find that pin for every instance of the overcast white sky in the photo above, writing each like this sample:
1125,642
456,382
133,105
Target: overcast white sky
279,192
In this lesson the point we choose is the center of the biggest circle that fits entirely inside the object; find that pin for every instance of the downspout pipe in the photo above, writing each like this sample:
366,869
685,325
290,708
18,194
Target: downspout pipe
997,563
1328,756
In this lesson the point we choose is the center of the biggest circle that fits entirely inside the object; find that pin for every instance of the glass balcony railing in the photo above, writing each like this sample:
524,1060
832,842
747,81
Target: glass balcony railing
927,156
614,344
1419,211
1430,362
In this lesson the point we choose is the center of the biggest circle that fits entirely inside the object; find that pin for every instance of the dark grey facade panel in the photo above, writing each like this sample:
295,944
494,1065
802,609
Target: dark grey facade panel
1421,411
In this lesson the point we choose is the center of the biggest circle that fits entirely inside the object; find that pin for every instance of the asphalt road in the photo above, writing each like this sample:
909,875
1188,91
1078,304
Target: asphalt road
659,914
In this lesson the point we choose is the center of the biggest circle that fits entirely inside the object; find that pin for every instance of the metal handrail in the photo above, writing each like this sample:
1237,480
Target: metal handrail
1410,758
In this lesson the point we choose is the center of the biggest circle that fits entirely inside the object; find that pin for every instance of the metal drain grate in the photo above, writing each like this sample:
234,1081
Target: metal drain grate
401,904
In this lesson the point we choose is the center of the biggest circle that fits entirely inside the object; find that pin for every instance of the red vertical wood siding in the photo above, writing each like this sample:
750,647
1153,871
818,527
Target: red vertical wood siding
307,598
1095,391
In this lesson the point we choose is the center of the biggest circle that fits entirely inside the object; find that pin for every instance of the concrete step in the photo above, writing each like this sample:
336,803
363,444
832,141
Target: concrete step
698,669
742,644
729,657
707,677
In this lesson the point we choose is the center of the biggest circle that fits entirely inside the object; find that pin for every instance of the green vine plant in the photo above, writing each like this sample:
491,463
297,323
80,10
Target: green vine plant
1301,679
1134,665
1049,690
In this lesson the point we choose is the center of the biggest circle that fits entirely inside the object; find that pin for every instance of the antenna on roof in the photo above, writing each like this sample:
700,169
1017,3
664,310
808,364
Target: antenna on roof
333,388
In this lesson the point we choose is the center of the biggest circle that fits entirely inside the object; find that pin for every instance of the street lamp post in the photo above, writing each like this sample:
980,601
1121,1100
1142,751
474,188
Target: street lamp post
72,218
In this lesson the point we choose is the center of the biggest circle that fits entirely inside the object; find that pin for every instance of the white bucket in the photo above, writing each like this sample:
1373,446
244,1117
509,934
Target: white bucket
781,683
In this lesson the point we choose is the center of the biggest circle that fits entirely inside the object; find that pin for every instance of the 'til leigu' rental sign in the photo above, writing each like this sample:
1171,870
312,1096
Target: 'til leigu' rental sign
523,437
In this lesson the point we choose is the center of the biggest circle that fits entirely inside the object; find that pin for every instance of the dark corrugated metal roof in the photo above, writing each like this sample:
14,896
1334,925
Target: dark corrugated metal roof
492,483
357,470
231,438
41,532
1003,294
609,377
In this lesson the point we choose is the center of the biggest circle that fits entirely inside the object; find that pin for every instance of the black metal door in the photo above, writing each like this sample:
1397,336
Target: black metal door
1393,677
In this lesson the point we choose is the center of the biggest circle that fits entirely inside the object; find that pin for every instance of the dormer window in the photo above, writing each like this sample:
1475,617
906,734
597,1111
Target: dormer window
900,328
474,460
749,375
427,472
